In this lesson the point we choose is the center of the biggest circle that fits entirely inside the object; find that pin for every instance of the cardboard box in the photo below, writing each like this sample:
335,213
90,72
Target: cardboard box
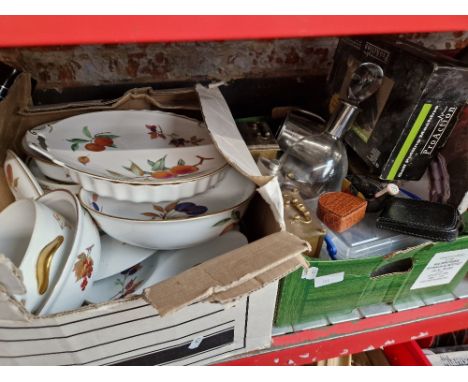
341,286
217,309
403,125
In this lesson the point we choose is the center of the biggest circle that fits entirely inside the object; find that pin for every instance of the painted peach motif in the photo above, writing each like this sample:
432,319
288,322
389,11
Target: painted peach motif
160,171
97,142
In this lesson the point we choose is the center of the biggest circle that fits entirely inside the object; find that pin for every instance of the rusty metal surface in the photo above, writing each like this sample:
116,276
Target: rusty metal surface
88,65
106,64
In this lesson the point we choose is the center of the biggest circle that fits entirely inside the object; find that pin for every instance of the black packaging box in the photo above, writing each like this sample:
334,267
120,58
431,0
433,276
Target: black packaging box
402,126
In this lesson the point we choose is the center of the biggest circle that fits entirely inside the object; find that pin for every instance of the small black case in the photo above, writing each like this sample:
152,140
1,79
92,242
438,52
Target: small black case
433,221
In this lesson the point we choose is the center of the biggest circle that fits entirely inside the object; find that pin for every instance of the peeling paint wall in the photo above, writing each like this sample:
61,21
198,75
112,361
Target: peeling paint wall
88,65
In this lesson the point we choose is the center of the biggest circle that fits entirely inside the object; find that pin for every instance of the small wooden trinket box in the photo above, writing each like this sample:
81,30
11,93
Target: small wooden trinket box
340,211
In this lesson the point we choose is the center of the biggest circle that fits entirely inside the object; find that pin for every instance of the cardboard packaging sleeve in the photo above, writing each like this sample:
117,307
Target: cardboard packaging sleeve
217,309
404,124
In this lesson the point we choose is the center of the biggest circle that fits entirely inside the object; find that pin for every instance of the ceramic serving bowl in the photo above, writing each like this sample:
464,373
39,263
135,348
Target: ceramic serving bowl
47,167
36,239
163,265
176,224
117,256
125,154
78,269
49,184
21,182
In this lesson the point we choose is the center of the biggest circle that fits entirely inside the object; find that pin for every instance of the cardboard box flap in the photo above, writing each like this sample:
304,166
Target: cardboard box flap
11,277
271,193
167,99
230,143
226,135
254,265
259,281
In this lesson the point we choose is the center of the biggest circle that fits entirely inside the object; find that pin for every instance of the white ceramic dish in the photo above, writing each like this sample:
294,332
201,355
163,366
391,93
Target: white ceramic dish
173,225
53,171
117,256
49,184
160,267
112,152
47,167
36,239
21,182
79,268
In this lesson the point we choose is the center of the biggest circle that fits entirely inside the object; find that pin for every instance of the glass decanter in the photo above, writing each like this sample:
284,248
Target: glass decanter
318,162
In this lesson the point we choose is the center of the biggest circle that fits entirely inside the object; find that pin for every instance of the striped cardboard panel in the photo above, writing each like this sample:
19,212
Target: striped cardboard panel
132,332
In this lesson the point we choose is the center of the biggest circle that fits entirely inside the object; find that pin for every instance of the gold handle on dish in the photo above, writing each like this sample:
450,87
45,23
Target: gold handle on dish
43,263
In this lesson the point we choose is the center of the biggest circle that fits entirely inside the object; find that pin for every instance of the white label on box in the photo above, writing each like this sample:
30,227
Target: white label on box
195,343
328,279
309,274
442,268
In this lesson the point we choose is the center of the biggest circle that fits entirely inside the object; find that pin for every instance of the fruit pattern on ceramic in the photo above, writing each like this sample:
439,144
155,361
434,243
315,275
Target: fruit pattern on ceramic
159,169
170,211
230,221
174,210
97,142
156,132
127,284
84,159
12,181
83,267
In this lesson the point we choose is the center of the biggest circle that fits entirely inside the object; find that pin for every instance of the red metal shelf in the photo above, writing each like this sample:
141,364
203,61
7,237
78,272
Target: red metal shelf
406,354
352,337
309,345
20,31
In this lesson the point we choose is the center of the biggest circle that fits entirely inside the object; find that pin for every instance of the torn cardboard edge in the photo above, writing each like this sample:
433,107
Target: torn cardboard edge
233,275
12,310
258,281
229,142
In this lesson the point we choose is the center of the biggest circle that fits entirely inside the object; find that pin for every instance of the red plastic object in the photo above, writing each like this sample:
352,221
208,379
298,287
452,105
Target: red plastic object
17,31
406,354
313,345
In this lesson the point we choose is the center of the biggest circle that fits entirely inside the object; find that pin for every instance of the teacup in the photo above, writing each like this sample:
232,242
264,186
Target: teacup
78,269
36,239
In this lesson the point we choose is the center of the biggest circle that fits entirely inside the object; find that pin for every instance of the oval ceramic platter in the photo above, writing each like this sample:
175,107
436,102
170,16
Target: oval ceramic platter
161,266
175,224
131,148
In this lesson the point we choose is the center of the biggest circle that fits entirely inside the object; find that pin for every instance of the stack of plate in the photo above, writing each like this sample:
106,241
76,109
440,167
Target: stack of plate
148,178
